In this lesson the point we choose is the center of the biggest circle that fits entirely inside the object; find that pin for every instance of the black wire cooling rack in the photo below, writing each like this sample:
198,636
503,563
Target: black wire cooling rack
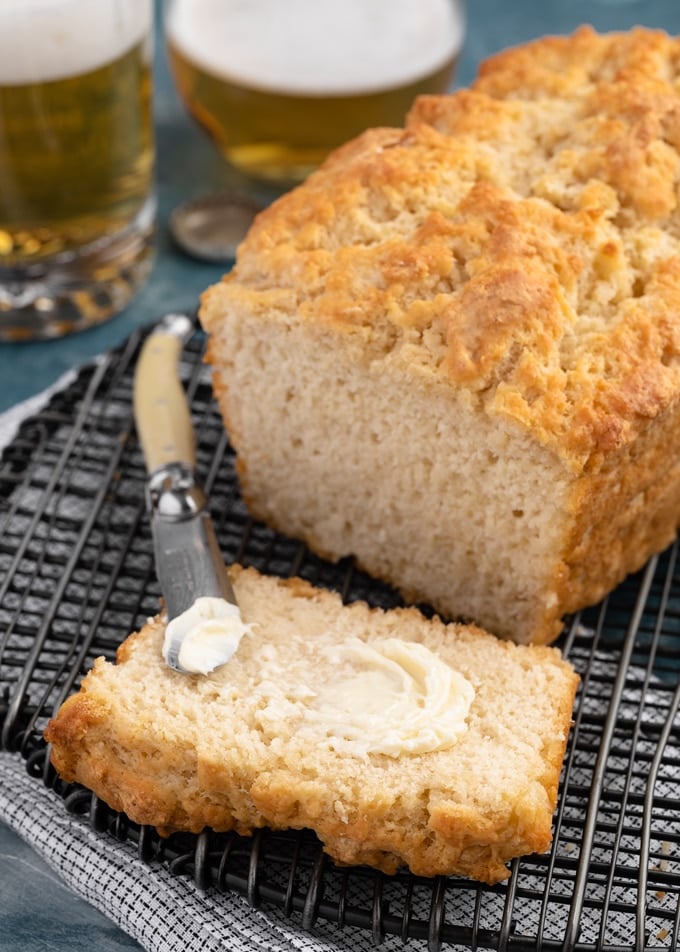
77,575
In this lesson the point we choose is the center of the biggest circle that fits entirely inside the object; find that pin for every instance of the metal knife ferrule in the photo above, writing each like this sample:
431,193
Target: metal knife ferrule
173,494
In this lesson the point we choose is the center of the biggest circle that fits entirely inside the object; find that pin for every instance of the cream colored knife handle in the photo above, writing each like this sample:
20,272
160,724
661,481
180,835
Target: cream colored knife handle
160,404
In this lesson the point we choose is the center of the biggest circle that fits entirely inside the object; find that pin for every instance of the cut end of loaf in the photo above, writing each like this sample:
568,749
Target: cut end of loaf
454,508
231,750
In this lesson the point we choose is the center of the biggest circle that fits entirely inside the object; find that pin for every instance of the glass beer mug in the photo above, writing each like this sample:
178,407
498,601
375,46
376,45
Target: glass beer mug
279,83
76,161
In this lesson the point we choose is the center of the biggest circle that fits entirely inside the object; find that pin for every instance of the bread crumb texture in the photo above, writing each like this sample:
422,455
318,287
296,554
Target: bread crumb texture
497,281
230,750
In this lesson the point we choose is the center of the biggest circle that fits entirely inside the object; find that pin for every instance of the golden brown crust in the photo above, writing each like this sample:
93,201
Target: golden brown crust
520,240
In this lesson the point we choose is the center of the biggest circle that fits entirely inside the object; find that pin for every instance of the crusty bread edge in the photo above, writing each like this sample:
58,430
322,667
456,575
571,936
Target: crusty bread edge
454,841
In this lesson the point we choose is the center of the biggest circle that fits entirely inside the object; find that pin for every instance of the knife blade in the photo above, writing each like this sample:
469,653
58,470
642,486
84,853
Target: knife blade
189,564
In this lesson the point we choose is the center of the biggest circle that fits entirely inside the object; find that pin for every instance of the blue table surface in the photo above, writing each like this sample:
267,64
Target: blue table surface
187,165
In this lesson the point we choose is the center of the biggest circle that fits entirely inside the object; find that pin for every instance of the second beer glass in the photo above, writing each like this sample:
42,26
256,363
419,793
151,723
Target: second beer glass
279,83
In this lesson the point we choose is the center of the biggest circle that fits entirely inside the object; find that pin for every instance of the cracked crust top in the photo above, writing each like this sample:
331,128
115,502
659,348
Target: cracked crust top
519,239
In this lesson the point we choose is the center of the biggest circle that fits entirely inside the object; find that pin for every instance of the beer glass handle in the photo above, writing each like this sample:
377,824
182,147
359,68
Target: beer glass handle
161,410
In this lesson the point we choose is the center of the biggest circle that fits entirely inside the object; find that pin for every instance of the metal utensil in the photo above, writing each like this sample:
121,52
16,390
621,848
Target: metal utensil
188,560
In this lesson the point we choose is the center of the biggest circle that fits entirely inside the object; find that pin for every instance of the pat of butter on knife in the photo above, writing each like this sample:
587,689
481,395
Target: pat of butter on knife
210,632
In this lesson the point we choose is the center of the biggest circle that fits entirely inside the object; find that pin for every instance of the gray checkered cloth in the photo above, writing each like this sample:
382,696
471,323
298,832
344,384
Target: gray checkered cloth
162,911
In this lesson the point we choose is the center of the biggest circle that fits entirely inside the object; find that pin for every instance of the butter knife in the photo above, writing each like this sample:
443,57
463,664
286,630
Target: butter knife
189,564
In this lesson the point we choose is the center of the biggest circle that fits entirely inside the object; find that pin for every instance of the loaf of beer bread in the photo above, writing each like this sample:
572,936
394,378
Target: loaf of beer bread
306,727
453,353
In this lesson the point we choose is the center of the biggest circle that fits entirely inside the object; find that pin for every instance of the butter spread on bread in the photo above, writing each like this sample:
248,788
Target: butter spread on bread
392,697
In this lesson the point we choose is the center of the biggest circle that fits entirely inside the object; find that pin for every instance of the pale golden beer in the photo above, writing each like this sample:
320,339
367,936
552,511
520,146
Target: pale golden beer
277,85
76,161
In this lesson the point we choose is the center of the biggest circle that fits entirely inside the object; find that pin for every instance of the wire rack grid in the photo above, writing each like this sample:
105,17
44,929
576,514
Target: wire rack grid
77,574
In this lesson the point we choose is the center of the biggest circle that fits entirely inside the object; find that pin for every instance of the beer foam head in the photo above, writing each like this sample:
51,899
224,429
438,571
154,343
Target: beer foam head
44,40
317,47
